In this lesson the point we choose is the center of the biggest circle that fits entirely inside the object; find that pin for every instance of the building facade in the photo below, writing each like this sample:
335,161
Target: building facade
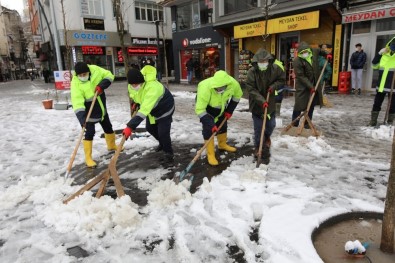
13,46
372,24
242,27
87,31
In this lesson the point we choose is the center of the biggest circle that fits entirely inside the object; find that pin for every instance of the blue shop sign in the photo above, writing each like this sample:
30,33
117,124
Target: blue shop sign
90,36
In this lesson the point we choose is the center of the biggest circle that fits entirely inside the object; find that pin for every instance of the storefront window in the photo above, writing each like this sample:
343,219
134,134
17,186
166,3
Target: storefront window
233,6
195,14
148,12
386,24
361,27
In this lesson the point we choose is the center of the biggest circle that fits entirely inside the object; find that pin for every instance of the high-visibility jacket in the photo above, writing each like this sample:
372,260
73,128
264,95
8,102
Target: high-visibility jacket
156,101
208,101
385,63
82,93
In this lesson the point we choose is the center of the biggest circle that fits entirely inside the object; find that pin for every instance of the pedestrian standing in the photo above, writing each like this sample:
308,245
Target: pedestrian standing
357,62
154,103
190,67
384,61
265,76
85,82
307,72
46,75
216,99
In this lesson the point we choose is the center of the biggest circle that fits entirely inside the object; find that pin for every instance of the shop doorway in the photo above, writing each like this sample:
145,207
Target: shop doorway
368,48
287,48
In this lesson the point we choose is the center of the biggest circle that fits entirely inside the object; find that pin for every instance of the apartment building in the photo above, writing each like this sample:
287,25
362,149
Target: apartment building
12,45
89,29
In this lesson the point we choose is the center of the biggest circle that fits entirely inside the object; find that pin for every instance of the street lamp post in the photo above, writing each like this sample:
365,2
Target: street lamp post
158,61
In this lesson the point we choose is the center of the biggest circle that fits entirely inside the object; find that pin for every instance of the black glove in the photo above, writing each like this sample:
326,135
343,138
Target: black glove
81,116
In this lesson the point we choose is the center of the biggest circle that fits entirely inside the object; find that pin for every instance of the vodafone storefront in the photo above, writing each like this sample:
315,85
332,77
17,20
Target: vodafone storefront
204,46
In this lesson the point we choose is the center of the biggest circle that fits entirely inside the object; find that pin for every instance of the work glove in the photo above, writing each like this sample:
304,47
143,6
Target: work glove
214,129
135,106
265,105
81,117
127,132
99,90
383,51
270,90
312,90
228,115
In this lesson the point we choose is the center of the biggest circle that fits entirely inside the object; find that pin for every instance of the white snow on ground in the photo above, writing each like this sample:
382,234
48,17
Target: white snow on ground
307,181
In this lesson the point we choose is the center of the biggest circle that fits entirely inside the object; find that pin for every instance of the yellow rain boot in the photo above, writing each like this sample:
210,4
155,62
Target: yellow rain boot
110,140
222,145
88,154
211,153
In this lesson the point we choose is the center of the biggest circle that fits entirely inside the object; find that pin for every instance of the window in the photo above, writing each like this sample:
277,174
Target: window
233,6
92,7
385,24
148,12
195,14
361,27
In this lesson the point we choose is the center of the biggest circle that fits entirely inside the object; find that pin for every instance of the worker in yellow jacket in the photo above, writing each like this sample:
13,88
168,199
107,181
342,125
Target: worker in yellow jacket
217,98
154,103
85,82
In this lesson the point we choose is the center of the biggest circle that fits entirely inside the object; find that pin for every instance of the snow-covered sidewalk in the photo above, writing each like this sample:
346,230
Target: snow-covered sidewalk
308,180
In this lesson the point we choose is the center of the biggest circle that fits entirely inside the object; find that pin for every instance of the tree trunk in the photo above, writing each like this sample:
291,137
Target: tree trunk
121,33
387,231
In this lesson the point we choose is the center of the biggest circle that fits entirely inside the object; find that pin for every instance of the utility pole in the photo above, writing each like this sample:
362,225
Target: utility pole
55,29
158,61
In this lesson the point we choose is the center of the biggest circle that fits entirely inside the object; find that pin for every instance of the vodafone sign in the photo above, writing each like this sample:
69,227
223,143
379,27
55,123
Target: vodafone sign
185,42
198,41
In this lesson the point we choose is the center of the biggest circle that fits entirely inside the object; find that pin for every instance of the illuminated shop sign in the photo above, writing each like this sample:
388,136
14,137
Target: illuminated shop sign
198,41
138,51
142,51
92,50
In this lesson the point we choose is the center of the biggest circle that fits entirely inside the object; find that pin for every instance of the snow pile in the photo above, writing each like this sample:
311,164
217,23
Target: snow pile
384,132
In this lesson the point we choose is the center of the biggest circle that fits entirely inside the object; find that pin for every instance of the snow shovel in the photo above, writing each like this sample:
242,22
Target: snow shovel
80,137
184,173
288,131
389,100
259,159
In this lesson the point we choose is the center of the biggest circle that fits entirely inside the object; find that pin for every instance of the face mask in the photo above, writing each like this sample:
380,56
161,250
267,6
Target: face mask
137,87
220,90
263,66
305,55
83,79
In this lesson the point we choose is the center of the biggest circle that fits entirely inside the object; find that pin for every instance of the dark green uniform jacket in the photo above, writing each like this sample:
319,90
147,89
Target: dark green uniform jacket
258,82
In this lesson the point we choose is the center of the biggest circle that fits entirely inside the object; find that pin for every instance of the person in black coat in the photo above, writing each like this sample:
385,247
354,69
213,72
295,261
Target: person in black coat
357,61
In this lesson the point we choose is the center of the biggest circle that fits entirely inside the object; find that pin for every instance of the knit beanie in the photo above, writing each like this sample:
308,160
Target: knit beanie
81,67
135,76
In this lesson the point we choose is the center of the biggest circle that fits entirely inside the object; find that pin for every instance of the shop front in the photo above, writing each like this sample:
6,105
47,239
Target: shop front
373,27
281,37
204,46
97,48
